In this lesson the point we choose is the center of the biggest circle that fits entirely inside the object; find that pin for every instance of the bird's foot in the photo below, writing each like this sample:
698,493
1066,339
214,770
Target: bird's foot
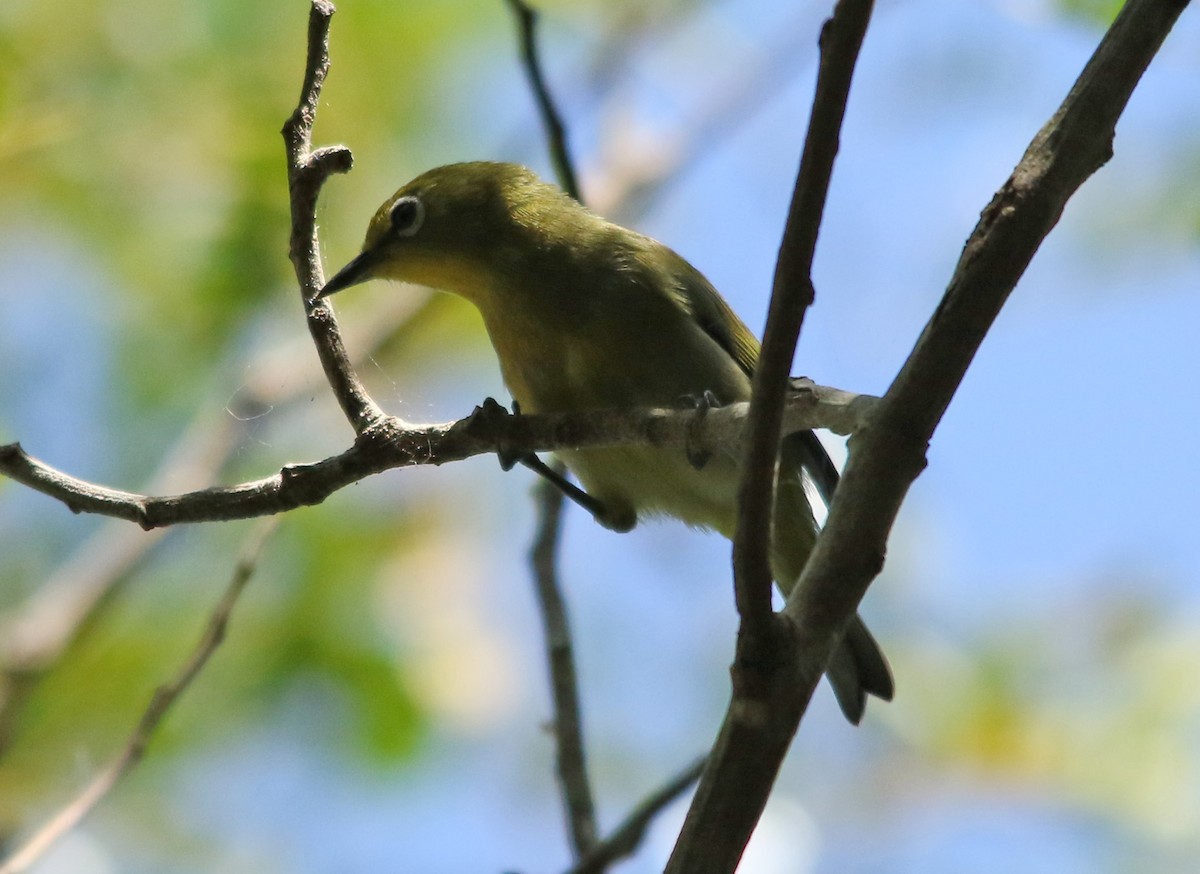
612,517
701,403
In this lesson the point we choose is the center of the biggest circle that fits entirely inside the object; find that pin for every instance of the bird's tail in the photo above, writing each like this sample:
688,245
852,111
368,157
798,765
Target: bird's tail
858,667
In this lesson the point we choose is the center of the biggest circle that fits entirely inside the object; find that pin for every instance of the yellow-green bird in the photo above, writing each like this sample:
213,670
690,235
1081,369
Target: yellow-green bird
587,315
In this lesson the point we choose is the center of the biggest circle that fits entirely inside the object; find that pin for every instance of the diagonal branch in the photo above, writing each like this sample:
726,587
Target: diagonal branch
792,294
762,714
391,444
35,633
627,836
556,132
160,705
889,453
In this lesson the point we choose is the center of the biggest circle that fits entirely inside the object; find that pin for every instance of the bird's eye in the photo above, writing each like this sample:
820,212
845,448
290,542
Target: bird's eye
407,214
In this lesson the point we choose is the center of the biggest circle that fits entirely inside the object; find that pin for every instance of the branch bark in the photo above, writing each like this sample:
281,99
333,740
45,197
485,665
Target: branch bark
570,751
391,444
791,296
889,453
556,132
763,714
307,172
627,836
35,634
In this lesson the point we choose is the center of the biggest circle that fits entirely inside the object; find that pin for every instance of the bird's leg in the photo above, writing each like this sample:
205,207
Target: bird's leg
611,517
702,403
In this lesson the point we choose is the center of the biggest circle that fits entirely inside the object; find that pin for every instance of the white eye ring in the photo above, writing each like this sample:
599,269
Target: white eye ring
407,215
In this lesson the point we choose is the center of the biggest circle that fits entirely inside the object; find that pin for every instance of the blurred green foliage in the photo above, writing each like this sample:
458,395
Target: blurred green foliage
141,149
140,141
1100,12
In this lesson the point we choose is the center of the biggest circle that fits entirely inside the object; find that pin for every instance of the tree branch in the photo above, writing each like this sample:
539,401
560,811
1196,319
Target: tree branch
556,133
626,837
35,633
160,705
391,444
571,760
762,714
307,172
889,453
792,294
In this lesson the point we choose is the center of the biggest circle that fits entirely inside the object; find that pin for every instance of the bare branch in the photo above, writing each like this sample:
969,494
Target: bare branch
160,704
307,172
763,713
792,294
888,454
35,633
626,838
571,760
556,133
391,444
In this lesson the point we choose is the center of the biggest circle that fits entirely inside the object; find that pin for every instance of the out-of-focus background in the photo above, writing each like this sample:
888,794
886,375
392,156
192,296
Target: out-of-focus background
380,702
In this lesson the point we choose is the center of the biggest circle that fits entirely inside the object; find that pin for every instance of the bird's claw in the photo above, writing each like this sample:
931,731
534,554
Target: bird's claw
701,403
485,418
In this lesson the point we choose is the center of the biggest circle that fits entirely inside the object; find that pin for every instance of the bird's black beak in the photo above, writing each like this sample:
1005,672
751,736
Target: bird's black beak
357,271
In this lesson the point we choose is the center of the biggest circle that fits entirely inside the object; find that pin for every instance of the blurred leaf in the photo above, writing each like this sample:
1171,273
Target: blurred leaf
1099,12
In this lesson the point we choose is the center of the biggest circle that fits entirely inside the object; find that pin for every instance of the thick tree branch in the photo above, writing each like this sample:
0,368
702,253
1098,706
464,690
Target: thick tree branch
889,453
391,444
160,705
307,172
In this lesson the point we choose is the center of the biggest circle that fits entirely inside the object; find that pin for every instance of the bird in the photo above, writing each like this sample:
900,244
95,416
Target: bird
584,314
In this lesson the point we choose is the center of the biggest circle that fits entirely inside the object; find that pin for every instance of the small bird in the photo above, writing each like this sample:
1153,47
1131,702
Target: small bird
586,315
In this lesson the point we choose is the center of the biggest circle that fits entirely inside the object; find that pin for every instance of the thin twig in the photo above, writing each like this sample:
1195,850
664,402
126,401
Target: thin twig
888,454
392,444
160,705
556,133
35,633
627,837
571,762
570,750
307,172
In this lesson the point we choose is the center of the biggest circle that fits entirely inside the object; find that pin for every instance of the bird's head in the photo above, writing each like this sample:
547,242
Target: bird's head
460,228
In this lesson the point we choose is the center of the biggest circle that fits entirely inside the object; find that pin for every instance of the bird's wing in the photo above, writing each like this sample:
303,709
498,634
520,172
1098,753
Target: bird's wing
714,316
697,295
